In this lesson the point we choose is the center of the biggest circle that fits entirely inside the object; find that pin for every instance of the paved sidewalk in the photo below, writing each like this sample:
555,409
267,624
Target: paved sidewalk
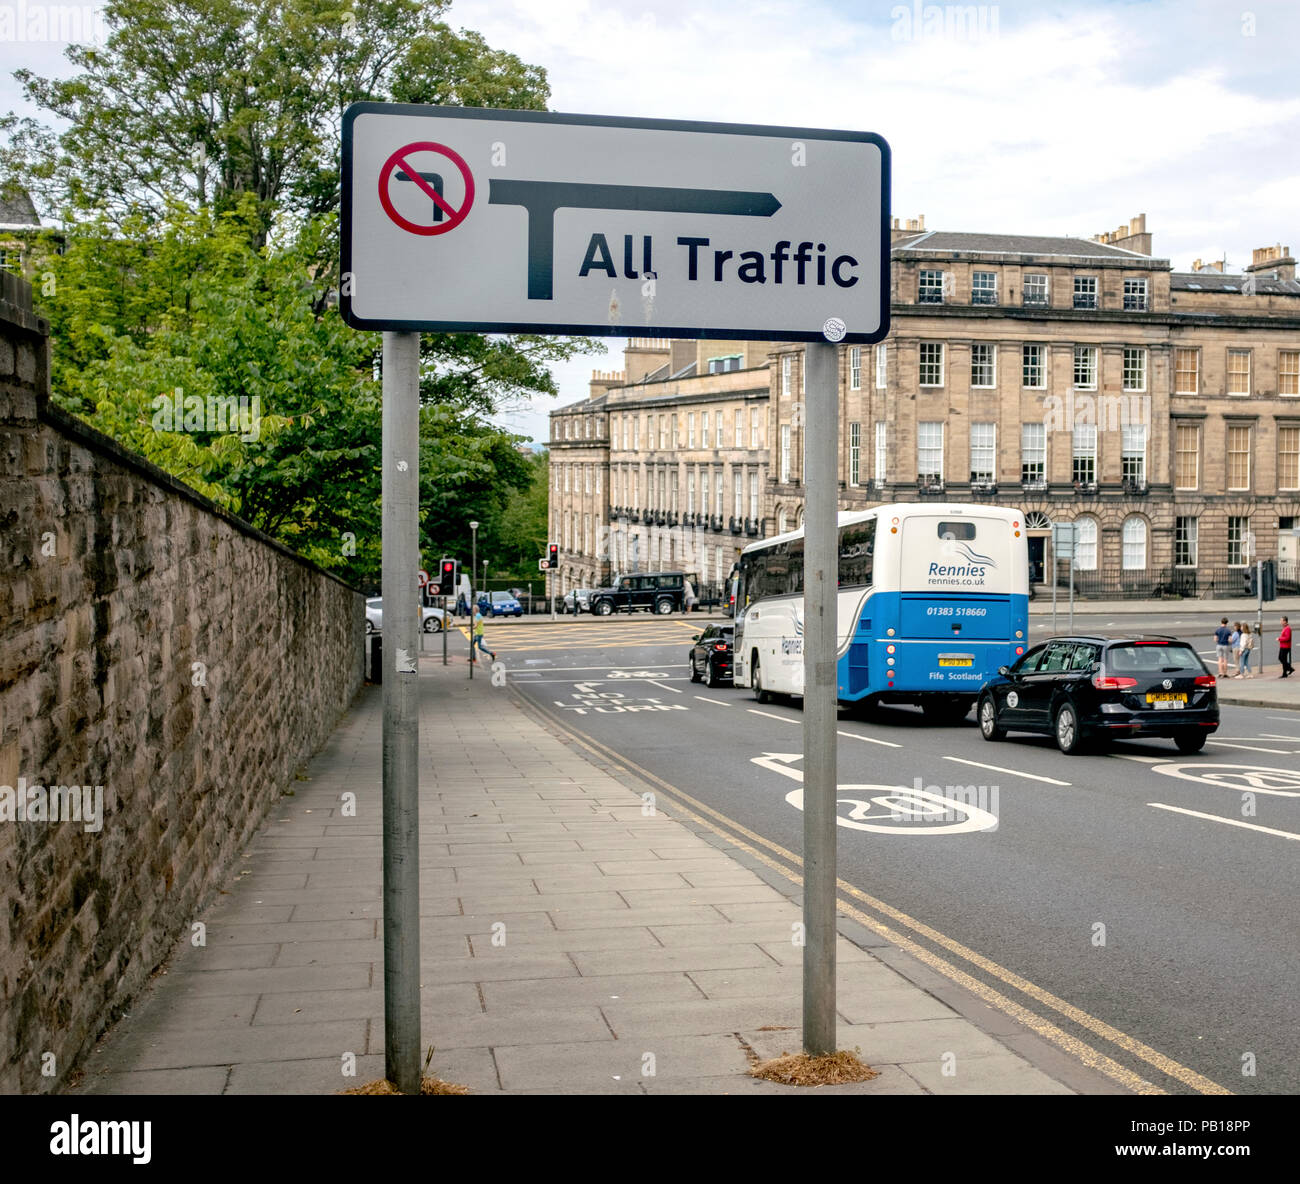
626,942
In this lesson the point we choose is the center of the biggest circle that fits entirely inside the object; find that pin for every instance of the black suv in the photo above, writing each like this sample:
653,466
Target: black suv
1082,688
658,592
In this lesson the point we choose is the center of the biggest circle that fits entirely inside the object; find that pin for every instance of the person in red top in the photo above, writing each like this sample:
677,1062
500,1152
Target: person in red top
1284,648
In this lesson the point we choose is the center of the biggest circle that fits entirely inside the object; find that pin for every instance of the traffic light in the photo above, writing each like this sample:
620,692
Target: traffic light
448,577
553,556
1270,579
1252,585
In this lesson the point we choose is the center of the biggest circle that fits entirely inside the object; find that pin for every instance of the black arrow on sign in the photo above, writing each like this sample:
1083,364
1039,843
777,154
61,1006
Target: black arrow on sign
542,198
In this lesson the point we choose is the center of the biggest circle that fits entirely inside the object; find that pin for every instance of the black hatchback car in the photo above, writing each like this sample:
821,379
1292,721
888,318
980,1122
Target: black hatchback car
711,655
1096,688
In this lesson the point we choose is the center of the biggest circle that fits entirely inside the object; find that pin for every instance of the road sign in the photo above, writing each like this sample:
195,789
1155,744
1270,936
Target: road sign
1064,535
543,565
465,219
423,577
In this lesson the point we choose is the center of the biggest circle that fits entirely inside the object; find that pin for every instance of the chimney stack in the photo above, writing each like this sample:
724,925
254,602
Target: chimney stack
1274,262
1133,237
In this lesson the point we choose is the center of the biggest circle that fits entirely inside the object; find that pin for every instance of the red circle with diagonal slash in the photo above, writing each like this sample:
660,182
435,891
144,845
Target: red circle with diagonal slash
398,160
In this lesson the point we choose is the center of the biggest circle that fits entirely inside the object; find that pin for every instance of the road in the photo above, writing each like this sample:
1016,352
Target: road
1140,902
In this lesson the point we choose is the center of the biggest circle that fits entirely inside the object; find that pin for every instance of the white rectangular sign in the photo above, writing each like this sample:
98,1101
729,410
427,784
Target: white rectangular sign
475,220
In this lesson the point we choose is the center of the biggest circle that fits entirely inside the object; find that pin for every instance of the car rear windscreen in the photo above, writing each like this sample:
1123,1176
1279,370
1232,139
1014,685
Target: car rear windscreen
1175,658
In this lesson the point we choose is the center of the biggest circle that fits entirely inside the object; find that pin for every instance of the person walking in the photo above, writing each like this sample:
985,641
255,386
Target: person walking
1247,645
689,596
1234,645
1284,648
480,639
1223,646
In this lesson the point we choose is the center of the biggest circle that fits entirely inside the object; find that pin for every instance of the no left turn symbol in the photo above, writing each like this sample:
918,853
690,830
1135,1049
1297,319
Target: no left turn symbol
412,164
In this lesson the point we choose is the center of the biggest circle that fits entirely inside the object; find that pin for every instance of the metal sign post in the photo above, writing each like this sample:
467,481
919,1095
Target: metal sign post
461,219
820,616
446,627
1055,570
401,738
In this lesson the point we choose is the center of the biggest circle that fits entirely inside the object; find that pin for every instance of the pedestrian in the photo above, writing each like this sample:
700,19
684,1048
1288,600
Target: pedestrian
1284,648
1247,645
690,596
462,609
480,640
1234,644
1222,645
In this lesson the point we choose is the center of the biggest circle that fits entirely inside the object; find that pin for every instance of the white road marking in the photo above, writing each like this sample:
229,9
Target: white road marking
1249,747
869,739
715,702
1149,760
1274,736
1012,772
653,683
1239,778
1287,718
769,715
1268,830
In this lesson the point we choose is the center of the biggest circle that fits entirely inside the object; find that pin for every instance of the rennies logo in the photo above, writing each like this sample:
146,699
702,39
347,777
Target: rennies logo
970,563
966,551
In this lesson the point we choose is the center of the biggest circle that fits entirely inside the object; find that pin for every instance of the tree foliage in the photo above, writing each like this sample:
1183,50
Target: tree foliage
197,178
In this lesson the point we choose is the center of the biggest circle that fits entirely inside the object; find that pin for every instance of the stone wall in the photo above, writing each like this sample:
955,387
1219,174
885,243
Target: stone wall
156,646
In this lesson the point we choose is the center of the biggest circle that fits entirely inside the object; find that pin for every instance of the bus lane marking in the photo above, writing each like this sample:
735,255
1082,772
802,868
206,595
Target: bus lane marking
895,809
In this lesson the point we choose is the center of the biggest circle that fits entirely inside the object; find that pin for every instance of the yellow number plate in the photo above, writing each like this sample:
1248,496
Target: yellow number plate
1167,697
956,661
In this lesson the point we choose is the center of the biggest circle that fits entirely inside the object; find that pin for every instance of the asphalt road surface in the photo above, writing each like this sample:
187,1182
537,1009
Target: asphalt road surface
1141,902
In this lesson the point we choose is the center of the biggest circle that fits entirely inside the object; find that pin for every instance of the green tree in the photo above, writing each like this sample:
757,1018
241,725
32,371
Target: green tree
204,100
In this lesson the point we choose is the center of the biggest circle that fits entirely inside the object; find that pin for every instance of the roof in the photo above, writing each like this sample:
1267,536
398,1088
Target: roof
1014,244
1216,281
16,209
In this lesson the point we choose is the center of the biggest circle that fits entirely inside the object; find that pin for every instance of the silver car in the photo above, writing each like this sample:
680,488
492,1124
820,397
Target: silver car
431,619
577,600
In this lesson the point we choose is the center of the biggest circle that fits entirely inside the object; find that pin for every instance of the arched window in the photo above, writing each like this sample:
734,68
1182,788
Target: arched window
1085,543
781,526
1135,543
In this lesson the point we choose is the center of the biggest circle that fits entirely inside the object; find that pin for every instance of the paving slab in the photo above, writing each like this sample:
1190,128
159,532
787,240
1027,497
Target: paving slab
633,954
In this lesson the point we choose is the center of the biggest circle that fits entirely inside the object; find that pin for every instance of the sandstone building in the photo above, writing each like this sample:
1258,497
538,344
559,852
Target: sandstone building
1078,380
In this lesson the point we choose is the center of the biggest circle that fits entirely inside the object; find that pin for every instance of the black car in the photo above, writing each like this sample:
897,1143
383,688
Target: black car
1097,688
656,592
711,655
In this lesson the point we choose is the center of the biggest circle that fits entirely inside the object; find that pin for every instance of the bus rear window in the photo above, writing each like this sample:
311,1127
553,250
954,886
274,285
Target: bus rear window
957,530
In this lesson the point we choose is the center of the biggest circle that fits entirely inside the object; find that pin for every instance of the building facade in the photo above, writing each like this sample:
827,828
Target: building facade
1081,381
681,434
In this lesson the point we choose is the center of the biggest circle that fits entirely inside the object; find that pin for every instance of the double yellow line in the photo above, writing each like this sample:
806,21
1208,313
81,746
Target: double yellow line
878,920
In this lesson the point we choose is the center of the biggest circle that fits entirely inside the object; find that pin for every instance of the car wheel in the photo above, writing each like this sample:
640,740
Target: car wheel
604,608
1191,741
370,625
663,606
1069,739
431,624
988,719
711,679
757,680
695,674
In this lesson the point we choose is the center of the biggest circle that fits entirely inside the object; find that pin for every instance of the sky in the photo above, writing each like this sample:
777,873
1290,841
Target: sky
1034,118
